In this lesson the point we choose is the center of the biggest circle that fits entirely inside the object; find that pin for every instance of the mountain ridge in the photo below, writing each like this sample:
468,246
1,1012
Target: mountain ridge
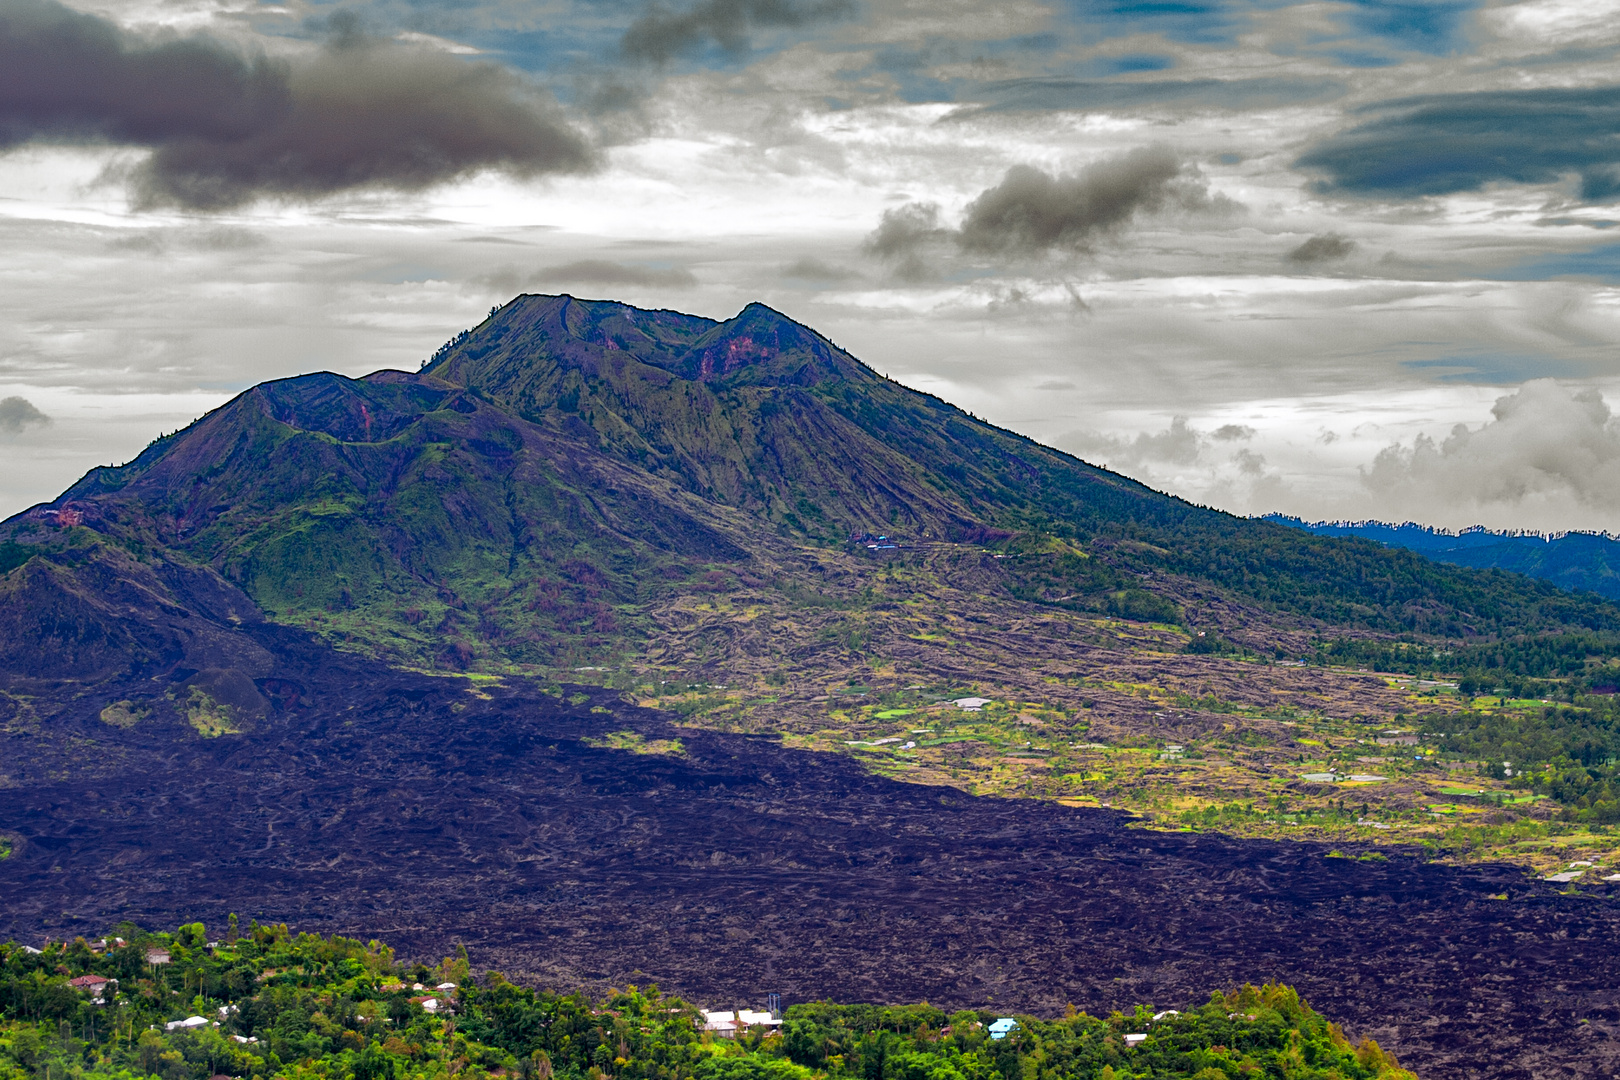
555,483
1573,560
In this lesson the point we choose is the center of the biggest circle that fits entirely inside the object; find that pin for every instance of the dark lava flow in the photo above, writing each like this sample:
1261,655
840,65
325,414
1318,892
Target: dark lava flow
406,807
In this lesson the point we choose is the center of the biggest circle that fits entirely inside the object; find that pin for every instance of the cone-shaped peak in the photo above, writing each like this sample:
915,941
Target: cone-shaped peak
761,346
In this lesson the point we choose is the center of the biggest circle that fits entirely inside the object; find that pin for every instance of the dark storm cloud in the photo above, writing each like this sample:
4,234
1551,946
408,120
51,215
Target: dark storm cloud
18,414
1034,95
1031,212
64,74
1446,143
1323,248
661,35
226,128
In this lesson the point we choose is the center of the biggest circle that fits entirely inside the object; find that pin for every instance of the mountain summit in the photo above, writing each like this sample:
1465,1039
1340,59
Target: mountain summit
526,339
560,483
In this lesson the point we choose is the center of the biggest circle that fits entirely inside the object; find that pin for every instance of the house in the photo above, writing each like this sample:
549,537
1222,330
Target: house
1135,1040
1166,1014
94,985
187,1024
728,1025
1003,1027
971,704
157,955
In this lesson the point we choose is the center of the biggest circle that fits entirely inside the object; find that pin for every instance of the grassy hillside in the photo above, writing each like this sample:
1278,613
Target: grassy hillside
268,1003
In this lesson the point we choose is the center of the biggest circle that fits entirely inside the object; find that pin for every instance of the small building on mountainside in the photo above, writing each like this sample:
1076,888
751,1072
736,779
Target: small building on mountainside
1003,1027
157,955
187,1024
93,985
728,1025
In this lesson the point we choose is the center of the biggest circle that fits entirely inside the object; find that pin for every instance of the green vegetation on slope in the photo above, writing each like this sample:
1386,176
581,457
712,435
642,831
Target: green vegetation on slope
1571,754
1511,662
544,490
271,1004
810,437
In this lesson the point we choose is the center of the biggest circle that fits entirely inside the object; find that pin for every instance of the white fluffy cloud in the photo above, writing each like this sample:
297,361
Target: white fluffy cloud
1549,452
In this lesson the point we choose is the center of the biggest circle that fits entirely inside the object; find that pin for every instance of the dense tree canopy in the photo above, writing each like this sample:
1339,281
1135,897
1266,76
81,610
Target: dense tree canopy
268,1003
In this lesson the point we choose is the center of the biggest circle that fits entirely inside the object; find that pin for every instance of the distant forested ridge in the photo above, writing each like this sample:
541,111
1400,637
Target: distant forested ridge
1574,560
268,1003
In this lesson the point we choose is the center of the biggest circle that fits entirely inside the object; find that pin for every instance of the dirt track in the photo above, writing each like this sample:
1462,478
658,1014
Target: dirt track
404,807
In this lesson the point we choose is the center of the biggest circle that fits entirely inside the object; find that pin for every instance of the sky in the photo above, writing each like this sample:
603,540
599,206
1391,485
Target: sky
1342,260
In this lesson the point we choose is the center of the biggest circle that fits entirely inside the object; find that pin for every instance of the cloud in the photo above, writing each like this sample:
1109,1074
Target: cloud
1179,444
1327,247
1547,448
1445,143
1233,433
227,127
808,269
1039,95
222,238
590,272
1033,213
904,228
18,414
1249,463
902,235
660,35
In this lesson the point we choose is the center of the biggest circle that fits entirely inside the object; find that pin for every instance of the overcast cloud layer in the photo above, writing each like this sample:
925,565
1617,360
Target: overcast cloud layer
1351,260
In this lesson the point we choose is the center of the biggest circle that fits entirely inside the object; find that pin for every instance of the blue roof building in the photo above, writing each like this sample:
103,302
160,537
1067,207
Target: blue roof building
1001,1028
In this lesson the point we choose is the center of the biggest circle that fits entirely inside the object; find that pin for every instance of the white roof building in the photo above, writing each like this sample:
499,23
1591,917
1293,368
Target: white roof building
188,1022
728,1024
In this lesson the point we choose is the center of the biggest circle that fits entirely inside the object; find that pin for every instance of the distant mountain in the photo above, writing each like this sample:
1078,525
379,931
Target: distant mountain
1574,561
559,481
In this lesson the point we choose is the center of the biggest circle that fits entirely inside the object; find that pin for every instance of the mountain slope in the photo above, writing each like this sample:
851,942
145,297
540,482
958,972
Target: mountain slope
554,481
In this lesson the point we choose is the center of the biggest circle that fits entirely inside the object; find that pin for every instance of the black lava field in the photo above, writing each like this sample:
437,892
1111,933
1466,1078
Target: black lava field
426,811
